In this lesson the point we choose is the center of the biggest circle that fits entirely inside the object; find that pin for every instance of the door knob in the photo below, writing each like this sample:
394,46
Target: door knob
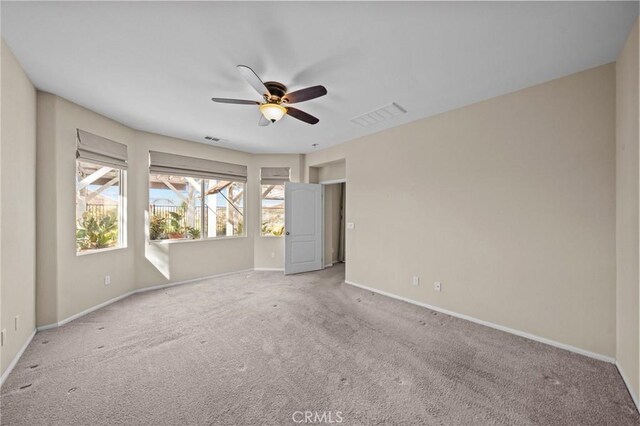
286,233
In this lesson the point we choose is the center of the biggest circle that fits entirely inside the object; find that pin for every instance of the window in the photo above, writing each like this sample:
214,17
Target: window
199,199
272,181
272,210
100,183
175,207
224,208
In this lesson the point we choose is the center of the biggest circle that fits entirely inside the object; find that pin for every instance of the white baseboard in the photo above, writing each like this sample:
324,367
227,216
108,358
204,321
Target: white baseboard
269,269
85,312
140,290
192,280
16,358
634,397
492,325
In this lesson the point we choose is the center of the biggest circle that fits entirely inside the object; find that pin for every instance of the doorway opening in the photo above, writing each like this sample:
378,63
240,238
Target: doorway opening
334,223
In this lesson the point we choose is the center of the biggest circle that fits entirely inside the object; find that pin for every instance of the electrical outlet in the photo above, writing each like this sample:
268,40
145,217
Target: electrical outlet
415,281
437,286
107,279
3,336
16,323
273,254
351,225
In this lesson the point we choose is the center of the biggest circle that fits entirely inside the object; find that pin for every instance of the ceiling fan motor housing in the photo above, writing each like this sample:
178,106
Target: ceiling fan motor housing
277,90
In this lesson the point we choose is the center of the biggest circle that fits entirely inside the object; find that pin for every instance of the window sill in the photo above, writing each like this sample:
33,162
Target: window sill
199,240
96,251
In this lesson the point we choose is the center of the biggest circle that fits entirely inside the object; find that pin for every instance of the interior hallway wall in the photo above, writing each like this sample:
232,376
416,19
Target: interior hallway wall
18,206
332,202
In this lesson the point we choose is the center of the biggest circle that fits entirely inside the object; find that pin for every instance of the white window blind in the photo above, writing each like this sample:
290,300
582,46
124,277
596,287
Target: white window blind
180,165
274,175
99,150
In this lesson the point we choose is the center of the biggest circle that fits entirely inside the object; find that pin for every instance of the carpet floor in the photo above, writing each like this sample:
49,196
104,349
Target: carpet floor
262,348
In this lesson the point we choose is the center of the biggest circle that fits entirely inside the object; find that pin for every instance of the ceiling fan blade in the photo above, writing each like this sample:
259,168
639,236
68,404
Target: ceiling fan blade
253,79
301,115
305,94
263,121
235,101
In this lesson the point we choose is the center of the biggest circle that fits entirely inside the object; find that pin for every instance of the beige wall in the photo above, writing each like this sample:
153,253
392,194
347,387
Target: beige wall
520,230
327,172
510,203
77,282
627,213
69,284
18,205
159,263
332,172
47,215
2,363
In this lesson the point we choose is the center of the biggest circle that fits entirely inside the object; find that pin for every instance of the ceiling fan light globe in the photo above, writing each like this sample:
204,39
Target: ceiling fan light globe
273,112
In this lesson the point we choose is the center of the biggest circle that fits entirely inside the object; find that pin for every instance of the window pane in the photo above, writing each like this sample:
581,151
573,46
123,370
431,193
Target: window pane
174,207
272,222
224,208
98,206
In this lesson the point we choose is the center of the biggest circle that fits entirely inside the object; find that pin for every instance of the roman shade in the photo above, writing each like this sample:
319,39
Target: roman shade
180,165
274,175
99,150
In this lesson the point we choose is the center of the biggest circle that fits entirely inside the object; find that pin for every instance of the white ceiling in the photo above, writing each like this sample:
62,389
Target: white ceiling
155,65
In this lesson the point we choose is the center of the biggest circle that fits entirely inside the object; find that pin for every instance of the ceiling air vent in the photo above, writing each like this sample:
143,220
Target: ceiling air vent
379,115
212,139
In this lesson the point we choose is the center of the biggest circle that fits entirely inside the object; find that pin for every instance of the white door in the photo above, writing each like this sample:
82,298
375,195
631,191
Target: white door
303,210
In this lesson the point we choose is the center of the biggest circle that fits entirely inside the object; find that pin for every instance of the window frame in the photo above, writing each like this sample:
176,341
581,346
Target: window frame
122,210
272,176
202,208
262,208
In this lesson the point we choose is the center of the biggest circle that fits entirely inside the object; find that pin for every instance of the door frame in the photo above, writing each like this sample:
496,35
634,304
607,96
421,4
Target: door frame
324,183
331,182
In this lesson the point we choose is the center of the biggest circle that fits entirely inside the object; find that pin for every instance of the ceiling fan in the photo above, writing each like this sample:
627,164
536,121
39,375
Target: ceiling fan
275,95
